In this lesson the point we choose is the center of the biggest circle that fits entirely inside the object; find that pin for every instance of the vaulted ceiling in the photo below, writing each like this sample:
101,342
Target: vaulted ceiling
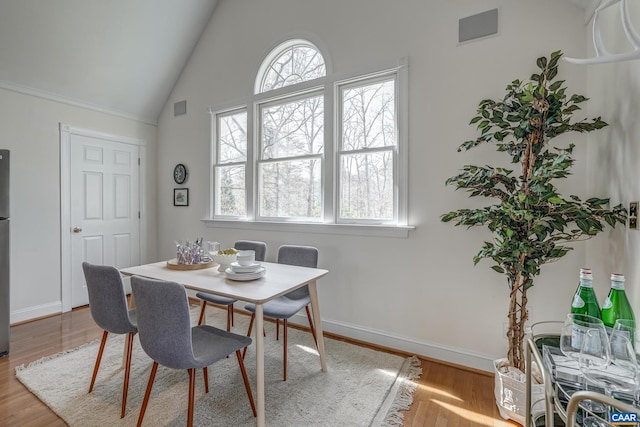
121,56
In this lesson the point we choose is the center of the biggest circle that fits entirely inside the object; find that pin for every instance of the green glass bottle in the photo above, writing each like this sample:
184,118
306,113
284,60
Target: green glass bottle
616,305
584,300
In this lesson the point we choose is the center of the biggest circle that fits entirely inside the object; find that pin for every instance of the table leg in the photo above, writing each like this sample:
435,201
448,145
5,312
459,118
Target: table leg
317,323
260,419
132,304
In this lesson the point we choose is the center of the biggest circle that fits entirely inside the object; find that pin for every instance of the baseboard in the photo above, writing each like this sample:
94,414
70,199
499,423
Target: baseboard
31,313
448,355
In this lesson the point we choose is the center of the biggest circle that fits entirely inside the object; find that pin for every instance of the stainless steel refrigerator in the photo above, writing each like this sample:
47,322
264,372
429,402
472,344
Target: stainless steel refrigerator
4,252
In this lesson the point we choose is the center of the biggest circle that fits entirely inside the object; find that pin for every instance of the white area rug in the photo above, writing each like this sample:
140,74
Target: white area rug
362,387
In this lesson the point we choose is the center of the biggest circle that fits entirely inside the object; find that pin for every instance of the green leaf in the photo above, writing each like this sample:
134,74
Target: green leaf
541,62
556,85
498,268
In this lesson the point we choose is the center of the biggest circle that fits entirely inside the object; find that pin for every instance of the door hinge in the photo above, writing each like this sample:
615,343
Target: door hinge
138,161
138,214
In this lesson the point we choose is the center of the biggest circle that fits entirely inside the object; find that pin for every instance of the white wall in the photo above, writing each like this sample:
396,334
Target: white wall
30,129
614,154
422,293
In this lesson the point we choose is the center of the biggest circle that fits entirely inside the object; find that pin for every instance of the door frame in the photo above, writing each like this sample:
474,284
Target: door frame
65,200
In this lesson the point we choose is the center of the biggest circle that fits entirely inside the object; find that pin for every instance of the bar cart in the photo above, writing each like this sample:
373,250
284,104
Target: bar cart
563,392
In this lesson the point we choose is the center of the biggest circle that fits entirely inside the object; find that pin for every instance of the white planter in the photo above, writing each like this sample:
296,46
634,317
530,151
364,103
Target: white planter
511,397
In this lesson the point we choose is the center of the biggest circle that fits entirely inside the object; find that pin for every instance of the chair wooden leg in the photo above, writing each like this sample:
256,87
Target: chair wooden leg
247,386
284,342
192,389
98,359
229,317
127,371
205,374
277,329
313,330
147,393
204,305
253,317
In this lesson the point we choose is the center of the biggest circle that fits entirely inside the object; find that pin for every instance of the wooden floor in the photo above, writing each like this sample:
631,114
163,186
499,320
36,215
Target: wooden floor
446,396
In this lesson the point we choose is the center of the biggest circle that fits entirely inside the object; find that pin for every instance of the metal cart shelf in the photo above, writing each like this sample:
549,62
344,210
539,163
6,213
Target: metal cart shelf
561,404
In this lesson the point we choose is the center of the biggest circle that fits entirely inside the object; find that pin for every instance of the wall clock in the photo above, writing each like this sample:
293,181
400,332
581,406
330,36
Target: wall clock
180,173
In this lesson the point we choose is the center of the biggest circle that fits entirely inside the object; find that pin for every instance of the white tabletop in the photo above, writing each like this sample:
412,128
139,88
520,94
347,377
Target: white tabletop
279,279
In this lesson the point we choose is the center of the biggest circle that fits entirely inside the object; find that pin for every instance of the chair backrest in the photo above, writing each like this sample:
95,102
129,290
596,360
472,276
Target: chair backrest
303,256
164,326
250,245
107,301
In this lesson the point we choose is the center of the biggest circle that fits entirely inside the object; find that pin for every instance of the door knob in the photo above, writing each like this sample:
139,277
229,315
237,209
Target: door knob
77,229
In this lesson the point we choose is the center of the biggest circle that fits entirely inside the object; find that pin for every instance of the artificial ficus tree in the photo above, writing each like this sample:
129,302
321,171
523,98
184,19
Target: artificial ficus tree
531,223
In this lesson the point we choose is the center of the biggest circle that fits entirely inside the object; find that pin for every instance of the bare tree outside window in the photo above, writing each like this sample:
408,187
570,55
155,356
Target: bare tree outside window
293,131
298,63
230,167
368,143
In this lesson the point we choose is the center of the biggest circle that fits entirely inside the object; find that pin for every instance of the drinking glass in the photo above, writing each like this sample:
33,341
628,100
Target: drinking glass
595,356
628,328
574,331
624,364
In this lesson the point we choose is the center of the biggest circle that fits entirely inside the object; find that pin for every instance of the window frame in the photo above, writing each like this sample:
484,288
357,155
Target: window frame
330,223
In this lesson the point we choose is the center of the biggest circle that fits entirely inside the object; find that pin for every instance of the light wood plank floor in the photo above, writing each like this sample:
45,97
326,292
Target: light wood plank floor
447,396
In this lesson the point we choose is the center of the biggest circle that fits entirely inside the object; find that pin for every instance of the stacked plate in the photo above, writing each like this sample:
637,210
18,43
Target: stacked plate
245,272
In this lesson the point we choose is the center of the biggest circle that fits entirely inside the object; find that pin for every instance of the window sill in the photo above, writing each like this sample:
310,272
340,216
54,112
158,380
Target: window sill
343,229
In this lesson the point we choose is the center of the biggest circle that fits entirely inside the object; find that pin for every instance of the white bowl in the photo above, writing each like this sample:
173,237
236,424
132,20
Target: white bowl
246,257
223,259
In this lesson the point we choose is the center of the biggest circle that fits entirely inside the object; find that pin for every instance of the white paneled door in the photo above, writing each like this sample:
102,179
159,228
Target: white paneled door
105,207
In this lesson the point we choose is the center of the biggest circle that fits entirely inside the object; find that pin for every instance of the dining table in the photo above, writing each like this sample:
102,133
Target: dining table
278,280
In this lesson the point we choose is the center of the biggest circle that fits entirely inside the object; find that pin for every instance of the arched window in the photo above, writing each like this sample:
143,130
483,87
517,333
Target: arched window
294,61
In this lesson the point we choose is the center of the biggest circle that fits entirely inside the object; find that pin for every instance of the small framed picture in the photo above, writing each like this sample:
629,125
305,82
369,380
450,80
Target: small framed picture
180,197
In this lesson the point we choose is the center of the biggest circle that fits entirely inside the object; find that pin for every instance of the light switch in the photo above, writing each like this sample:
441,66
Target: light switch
633,215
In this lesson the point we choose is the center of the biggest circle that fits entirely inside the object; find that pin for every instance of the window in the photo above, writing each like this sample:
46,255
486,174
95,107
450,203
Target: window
367,151
311,147
291,155
231,164
292,62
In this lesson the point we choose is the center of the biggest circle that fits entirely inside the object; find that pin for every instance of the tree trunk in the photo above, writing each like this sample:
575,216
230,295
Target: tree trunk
518,316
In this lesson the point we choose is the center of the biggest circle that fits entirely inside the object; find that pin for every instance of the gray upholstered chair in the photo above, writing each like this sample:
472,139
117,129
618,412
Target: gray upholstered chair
242,245
166,335
287,305
108,305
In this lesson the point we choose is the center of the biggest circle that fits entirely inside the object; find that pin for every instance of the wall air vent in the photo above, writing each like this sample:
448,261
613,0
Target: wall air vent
477,26
180,108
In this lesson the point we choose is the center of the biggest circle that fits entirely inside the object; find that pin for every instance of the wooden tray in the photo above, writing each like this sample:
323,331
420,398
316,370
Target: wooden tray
172,264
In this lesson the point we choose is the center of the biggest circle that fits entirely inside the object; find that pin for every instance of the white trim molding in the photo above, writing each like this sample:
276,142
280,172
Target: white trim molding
39,93
318,228
36,311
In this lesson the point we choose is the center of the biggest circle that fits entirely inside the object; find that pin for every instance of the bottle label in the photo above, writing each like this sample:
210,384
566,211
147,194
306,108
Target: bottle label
577,301
607,303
